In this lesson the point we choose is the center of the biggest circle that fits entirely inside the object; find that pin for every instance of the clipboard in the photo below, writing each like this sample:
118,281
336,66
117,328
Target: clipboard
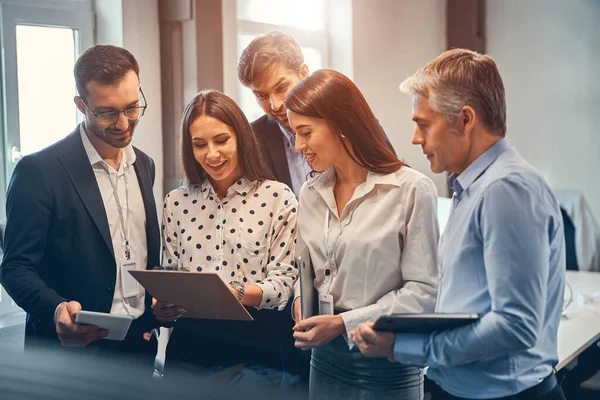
423,323
203,294
307,289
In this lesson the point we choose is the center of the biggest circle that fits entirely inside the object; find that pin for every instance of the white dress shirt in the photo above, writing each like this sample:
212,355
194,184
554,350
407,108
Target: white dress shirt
381,253
248,236
129,195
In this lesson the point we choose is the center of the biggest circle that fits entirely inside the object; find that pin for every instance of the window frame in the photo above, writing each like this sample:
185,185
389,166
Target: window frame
71,14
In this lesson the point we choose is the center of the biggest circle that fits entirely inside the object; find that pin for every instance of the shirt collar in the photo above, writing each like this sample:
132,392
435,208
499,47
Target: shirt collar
327,179
462,182
241,187
288,136
128,152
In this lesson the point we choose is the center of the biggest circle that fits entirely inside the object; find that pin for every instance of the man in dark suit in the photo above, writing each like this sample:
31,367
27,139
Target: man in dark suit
81,213
271,66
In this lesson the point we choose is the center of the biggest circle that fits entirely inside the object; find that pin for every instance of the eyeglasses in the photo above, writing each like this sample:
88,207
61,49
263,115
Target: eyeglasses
110,117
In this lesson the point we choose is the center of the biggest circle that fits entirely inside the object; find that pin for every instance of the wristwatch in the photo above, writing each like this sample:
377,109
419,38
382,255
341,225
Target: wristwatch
239,287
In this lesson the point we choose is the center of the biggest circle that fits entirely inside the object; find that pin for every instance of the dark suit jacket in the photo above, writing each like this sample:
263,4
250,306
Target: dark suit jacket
57,242
272,145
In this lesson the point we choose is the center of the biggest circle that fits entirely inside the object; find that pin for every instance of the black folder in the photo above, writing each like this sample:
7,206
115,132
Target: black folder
423,323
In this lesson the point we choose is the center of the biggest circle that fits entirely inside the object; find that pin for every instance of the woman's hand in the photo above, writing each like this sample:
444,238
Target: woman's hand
316,331
166,311
297,309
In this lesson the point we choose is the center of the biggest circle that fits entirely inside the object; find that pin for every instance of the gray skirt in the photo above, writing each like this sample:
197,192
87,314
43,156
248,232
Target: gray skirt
338,373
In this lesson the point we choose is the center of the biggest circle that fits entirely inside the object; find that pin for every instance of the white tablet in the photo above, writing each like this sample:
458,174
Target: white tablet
117,325
307,288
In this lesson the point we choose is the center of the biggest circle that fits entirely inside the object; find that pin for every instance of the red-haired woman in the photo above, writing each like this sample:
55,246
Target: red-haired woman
370,224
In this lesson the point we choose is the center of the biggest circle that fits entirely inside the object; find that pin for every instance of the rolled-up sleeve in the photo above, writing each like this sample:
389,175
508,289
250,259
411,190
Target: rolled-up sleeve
169,236
281,270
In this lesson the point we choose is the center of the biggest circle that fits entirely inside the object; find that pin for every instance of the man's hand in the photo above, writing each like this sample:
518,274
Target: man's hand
297,310
316,331
148,335
166,311
71,333
373,343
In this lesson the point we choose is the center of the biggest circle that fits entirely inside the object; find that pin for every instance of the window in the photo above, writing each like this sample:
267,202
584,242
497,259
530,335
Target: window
304,20
49,100
41,41
303,14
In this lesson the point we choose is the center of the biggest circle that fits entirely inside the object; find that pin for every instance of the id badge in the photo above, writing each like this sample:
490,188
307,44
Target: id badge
130,285
325,304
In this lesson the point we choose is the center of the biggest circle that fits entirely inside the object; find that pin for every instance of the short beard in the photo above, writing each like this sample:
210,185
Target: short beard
101,134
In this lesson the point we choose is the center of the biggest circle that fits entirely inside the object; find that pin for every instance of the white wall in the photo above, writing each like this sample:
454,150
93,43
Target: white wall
339,31
230,57
141,37
134,25
548,52
392,39
109,22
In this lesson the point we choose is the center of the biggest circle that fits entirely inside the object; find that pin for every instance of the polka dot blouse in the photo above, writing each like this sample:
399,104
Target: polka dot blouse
248,236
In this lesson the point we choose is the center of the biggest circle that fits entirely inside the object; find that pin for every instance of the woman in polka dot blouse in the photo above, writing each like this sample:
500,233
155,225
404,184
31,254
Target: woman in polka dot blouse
230,219
369,222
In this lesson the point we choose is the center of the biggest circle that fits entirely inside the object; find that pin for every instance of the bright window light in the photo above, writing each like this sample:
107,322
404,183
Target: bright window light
303,14
45,61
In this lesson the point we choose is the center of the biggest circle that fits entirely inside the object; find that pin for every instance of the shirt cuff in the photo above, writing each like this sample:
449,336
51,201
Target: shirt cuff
269,299
409,349
353,318
292,308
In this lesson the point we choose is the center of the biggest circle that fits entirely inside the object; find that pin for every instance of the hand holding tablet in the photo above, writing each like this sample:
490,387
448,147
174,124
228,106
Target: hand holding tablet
424,323
116,325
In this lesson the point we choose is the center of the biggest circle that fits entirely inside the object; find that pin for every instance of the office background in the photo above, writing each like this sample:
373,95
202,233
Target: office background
548,52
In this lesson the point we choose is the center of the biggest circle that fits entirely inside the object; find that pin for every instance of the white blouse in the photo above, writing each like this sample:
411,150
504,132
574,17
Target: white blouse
248,236
380,256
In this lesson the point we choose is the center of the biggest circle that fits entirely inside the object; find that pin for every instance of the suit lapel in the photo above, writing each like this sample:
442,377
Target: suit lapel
78,168
142,170
276,149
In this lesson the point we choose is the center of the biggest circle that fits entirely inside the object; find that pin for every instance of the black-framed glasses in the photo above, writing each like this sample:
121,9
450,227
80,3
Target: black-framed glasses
110,117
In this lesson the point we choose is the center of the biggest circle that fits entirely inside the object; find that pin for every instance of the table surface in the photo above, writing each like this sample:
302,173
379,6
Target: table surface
580,328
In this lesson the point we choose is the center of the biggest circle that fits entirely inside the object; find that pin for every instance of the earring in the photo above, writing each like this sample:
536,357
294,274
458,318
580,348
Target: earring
343,136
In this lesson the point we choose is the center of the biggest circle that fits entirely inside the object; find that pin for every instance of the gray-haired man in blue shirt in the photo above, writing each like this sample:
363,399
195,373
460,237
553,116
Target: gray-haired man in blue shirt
502,253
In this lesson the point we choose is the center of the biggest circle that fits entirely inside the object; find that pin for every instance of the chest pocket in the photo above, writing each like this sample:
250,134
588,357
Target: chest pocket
252,258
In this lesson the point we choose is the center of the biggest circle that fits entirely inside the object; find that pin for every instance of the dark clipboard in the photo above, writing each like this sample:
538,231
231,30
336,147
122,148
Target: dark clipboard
423,323
203,294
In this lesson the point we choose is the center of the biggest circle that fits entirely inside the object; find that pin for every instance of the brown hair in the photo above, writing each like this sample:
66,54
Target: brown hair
331,96
104,64
458,78
217,105
264,52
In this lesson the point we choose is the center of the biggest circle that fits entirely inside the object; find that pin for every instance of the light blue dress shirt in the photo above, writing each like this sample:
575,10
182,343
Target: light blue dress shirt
502,254
299,168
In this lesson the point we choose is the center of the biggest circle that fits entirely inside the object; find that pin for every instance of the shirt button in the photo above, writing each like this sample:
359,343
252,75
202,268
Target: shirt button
111,287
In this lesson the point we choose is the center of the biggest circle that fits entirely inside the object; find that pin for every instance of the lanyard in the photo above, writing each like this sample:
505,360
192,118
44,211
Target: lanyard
123,220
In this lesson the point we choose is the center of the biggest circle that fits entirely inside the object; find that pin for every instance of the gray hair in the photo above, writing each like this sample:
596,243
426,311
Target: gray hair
458,78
